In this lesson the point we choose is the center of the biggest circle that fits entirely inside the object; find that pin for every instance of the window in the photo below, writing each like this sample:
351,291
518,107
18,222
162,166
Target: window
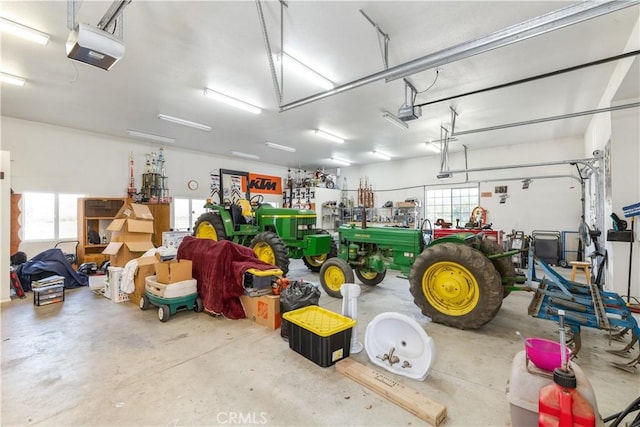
451,204
186,212
50,216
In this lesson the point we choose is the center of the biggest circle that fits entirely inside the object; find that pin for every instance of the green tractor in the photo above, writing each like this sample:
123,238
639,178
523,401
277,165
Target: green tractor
275,234
458,280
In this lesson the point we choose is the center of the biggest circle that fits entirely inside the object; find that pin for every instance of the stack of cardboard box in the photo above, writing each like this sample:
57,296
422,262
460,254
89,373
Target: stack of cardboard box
131,232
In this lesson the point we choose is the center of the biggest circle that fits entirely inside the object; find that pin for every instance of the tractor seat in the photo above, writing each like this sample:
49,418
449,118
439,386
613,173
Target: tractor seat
247,211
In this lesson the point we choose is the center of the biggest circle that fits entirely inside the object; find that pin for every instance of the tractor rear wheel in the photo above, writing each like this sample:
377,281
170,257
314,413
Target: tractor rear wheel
314,263
334,273
456,285
271,249
209,226
503,264
370,278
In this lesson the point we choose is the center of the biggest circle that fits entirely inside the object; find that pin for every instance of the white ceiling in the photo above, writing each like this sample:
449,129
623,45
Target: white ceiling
175,49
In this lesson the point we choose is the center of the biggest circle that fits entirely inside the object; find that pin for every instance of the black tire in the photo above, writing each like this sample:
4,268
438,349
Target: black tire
504,265
198,306
456,285
334,273
370,278
563,263
314,263
329,184
164,313
144,303
270,248
209,225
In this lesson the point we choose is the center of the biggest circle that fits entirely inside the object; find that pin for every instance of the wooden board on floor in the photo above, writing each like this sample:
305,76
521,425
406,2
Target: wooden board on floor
411,400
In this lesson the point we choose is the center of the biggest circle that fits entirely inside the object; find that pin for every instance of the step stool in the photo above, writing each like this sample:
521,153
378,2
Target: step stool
586,268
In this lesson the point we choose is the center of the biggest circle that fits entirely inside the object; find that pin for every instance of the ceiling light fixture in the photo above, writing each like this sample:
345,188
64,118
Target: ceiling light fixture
184,122
11,79
151,136
381,155
394,120
245,155
27,33
280,147
229,100
340,161
304,70
328,136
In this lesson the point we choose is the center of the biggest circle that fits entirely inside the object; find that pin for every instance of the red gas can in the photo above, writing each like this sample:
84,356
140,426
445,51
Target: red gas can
560,404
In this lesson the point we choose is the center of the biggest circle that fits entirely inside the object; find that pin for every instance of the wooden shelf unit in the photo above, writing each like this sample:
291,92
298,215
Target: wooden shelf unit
95,214
161,220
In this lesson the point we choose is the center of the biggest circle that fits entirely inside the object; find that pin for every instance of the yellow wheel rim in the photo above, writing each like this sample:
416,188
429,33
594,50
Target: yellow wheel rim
369,275
265,253
316,261
206,231
334,278
450,288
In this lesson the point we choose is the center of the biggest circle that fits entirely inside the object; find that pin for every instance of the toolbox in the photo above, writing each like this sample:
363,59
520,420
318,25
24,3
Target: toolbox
320,335
48,294
259,282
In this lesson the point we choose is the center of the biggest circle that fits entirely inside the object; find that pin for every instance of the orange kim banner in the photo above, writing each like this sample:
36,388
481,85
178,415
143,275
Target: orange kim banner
264,184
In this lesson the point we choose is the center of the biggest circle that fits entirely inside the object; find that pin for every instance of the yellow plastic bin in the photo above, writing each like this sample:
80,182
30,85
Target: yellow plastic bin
320,335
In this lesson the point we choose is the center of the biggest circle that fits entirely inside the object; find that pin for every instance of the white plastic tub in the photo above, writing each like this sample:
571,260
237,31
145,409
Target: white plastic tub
172,290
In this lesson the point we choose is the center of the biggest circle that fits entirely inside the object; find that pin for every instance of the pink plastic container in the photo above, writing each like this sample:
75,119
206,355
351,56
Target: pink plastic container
545,354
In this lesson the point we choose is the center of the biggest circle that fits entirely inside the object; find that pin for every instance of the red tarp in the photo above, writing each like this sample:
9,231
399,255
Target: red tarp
219,268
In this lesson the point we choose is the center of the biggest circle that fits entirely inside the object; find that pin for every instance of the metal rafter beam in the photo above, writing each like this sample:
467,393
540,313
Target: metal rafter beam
561,18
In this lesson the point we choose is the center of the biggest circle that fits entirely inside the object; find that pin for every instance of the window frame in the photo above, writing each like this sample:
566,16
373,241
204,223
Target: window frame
447,193
26,219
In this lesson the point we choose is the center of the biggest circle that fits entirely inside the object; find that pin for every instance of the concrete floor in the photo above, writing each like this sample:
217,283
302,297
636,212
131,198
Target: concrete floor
89,361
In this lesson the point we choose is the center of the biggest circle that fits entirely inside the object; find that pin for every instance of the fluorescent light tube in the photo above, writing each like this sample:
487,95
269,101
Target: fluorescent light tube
245,155
304,70
395,121
14,80
340,161
328,136
151,136
280,147
229,100
184,122
381,155
27,33
432,146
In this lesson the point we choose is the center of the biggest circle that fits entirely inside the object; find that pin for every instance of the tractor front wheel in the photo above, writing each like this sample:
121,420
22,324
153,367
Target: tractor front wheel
314,263
334,273
209,225
456,285
269,248
370,278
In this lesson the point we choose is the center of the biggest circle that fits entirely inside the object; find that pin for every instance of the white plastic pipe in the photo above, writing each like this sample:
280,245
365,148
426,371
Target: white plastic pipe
350,293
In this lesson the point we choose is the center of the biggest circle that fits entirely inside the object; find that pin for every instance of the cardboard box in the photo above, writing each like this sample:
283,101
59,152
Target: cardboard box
407,204
264,310
146,268
120,253
173,271
131,232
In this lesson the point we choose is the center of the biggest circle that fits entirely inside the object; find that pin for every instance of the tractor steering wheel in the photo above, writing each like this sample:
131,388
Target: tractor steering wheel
426,229
256,200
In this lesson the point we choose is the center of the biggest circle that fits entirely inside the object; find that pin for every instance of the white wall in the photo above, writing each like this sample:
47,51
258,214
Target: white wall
63,160
548,204
625,190
621,183
5,224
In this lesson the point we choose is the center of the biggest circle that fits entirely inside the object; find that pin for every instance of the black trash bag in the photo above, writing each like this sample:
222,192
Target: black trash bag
297,295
